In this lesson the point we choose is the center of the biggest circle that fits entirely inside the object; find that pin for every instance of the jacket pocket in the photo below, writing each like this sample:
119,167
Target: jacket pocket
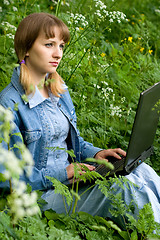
31,136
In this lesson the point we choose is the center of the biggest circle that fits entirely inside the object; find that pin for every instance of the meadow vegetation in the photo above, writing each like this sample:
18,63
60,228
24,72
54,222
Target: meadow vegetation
112,56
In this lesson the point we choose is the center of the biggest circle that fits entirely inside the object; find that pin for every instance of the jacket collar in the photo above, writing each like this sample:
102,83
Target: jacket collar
33,99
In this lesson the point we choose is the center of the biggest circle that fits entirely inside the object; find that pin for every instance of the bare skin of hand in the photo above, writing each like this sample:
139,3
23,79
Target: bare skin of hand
70,169
103,154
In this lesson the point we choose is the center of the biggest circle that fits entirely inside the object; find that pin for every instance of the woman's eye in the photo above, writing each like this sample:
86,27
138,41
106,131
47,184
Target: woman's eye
48,44
61,46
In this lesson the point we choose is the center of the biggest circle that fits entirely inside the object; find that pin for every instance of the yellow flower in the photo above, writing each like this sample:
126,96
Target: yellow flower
51,7
150,51
133,15
130,39
139,38
80,28
141,49
103,54
133,23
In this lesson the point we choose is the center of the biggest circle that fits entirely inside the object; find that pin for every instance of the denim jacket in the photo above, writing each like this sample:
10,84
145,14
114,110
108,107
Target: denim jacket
35,133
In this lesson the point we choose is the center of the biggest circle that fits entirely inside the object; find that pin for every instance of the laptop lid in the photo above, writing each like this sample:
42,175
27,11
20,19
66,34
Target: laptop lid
144,128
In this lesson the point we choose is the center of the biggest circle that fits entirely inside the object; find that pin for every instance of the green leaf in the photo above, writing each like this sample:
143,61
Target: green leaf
61,189
51,215
134,235
124,235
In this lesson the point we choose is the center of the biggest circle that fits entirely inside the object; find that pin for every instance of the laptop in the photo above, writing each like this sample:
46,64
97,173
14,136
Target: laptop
140,146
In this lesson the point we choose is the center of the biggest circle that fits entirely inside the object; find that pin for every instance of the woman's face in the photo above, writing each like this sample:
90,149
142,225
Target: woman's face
45,55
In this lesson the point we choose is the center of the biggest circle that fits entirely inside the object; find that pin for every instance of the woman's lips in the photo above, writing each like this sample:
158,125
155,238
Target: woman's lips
54,64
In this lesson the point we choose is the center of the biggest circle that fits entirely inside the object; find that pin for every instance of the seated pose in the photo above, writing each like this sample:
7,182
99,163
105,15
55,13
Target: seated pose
48,120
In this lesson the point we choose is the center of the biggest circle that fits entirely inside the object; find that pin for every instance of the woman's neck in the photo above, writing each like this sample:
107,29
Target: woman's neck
44,91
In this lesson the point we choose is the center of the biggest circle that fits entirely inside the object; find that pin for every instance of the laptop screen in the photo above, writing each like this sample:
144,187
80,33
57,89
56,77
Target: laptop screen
144,127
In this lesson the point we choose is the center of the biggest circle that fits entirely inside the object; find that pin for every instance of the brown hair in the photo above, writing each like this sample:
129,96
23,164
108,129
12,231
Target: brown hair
26,34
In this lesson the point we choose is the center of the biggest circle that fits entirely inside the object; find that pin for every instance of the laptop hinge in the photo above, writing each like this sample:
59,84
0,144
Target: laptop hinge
139,160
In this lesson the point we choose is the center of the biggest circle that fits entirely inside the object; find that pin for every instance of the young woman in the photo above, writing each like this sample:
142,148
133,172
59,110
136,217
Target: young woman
48,120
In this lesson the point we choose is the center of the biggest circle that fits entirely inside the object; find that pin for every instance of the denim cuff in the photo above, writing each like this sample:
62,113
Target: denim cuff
60,175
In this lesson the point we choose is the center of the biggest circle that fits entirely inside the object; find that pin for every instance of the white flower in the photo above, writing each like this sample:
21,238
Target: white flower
19,187
10,35
157,10
20,212
7,174
109,89
35,210
15,9
105,83
0,9
8,26
5,114
115,111
6,2
18,203
10,162
123,99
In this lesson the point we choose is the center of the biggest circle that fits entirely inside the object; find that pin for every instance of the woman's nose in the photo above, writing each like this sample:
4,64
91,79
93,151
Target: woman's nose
57,53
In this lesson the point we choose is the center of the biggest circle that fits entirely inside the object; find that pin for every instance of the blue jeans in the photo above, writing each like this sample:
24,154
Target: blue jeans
94,202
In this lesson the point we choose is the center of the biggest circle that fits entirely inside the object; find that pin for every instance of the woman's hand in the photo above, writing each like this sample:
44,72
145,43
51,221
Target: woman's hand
103,154
70,169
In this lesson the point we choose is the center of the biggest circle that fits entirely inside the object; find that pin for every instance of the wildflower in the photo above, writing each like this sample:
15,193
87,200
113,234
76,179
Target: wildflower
20,186
5,114
51,7
0,9
15,9
129,110
105,83
80,28
78,19
115,111
123,99
103,54
9,35
133,23
141,49
8,26
157,10
23,205
130,39
150,51
11,163
6,2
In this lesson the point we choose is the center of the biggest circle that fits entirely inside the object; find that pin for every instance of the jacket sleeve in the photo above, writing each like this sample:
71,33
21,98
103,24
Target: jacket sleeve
87,149
37,179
